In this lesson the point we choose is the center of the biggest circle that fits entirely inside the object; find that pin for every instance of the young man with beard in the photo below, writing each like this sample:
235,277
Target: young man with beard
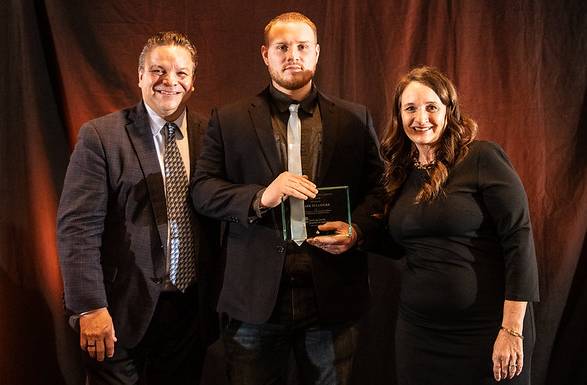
137,262
304,295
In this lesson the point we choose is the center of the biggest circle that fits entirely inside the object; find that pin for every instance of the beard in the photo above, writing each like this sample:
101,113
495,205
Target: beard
292,82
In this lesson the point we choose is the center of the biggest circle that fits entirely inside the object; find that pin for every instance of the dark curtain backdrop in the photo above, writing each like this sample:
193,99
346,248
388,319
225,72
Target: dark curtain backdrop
520,68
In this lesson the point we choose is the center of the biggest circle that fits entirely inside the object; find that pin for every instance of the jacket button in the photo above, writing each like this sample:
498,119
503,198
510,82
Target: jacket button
157,280
280,249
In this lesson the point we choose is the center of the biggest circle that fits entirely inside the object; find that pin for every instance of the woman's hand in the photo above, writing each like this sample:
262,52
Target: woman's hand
508,349
508,356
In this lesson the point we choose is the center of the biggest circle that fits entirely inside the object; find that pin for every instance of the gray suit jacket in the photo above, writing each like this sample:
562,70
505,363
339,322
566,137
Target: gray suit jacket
112,225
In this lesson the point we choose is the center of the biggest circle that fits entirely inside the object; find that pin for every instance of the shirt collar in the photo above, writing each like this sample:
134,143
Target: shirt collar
282,101
156,122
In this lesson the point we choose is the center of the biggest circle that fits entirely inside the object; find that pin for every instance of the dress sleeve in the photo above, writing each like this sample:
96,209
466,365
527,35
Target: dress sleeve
504,196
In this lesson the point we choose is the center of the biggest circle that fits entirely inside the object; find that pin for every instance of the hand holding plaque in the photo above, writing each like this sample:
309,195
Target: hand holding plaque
342,239
330,204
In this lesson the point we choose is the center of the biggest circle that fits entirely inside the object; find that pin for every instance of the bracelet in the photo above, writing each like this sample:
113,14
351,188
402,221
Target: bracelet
512,332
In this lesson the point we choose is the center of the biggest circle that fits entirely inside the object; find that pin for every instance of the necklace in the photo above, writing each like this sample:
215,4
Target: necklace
426,166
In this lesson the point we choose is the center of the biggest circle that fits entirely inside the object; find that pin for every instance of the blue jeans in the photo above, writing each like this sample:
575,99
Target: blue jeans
260,354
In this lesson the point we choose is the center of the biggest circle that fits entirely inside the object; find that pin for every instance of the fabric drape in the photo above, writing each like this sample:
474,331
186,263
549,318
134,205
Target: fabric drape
519,67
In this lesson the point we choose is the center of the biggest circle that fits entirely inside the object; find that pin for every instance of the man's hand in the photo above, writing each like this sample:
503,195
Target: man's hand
97,335
288,185
337,243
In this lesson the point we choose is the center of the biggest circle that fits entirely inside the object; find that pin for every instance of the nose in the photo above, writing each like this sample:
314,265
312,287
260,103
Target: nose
293,54
170,79
421,116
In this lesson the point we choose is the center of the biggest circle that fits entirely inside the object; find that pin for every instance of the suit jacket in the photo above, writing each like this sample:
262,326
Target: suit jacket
240,157
112,225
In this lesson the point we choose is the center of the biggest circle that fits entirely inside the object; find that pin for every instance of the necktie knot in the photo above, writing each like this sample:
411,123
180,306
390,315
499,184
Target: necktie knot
170,129
293,108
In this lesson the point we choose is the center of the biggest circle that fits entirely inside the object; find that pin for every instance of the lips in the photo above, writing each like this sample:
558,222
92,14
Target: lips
167,92
292,67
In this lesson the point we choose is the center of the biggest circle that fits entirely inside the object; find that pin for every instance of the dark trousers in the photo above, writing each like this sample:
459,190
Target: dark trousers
171,351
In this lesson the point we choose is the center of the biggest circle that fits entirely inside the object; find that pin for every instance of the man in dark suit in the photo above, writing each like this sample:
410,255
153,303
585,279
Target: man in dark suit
303,295
136,260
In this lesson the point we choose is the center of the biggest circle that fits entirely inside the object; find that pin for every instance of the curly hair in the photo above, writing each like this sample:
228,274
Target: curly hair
398,151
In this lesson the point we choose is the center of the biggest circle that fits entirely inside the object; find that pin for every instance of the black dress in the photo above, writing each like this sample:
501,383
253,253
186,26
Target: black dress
465,252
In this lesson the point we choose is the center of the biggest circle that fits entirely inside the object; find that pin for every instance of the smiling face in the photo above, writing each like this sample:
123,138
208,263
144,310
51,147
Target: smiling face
423,115
291,54
167,80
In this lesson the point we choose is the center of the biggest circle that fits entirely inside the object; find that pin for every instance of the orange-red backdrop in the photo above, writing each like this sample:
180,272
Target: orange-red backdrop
520,68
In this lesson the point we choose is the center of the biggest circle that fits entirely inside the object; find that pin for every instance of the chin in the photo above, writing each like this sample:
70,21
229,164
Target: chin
295,84
171,108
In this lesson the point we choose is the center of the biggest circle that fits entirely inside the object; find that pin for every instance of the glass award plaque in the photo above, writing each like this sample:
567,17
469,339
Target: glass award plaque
330,204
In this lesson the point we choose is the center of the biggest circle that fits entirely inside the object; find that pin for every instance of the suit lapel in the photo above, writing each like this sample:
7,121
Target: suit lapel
261,118
330,128
141,138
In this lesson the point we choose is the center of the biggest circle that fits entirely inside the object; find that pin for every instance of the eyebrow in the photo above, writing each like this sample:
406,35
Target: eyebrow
158,66
297,42
429,102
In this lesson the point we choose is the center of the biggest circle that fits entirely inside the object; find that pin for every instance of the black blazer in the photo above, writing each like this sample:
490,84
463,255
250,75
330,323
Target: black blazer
240,157
112,225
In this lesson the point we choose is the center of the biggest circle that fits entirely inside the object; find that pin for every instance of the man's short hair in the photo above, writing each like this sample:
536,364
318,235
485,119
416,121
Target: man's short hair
289,17
169,38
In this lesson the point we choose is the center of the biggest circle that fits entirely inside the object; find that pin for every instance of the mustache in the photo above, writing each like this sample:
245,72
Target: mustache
296,65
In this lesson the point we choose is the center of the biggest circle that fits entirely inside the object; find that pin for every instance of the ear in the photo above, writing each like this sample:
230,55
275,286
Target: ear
265,54
141,74
193,88
317,52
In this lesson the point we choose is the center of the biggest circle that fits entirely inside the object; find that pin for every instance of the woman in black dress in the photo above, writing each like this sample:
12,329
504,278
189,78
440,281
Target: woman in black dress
458,213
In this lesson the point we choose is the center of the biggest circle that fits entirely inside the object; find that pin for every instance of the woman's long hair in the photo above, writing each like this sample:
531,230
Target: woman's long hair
399,152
